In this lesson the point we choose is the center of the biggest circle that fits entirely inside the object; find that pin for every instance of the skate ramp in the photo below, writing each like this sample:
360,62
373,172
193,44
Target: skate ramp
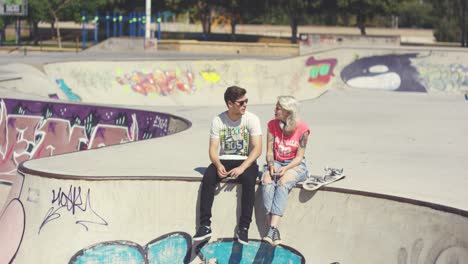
326,226
402,213
191,82
32,129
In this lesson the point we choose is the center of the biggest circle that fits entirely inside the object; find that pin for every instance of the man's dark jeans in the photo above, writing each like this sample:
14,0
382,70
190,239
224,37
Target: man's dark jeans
211,179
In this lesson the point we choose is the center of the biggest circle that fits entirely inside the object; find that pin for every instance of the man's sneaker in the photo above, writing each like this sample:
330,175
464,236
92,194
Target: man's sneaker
243,235
276,237
269,236
203,232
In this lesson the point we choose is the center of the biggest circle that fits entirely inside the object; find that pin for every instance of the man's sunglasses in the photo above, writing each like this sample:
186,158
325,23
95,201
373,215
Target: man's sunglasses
242,102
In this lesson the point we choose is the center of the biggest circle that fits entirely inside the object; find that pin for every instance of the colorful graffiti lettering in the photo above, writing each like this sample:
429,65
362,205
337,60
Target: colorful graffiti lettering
453,77
210,75
159,82
68,92
320,71
34,129
170,248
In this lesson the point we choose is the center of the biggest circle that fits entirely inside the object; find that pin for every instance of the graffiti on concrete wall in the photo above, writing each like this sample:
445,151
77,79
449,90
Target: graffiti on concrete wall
35,129
320,71
210,75
444,78
447,249
71,96
12,224
77,203
171,248
159,82
393,72
174,80
176,247
228,250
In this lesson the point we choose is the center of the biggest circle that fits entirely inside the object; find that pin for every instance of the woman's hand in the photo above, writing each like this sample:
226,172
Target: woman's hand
271,169
282,171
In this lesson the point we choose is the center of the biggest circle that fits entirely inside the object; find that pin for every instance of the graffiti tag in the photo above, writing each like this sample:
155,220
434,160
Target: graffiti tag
74,203
320,71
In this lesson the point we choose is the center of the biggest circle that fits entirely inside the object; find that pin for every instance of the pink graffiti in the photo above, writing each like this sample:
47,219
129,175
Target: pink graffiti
25,137
159,82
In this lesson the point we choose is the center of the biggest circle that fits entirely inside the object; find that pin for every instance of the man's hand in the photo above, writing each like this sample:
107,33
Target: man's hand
222,173
236,172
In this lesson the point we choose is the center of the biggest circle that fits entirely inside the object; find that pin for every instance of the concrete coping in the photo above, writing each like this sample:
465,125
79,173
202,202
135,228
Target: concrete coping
439,207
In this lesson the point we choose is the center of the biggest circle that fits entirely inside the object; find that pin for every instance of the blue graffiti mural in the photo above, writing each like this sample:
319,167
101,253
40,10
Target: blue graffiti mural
68,92
393,72
170,248
176,247
231,251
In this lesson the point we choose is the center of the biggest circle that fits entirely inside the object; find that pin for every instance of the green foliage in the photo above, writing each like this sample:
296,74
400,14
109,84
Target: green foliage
415,14
445,16
273,16
446,30
449,16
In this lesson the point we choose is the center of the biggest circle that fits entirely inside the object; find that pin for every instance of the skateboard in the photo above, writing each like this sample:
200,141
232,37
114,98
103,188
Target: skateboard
330,175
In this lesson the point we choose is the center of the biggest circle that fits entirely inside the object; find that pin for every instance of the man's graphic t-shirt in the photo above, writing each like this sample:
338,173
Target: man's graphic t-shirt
234,136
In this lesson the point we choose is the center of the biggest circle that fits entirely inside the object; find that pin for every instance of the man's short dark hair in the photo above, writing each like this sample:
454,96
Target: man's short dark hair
233,93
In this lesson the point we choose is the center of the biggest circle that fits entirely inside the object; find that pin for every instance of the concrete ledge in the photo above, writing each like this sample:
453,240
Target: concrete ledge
229,47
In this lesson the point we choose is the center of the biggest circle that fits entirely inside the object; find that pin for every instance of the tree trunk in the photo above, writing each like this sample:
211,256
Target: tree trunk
361,21
35,32
463,24
294,25
233,27
57,27
205,18
52,30
2,35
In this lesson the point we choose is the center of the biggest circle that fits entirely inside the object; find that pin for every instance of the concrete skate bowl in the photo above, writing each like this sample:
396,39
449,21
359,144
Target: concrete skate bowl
113,219
191,82
32,129
185,82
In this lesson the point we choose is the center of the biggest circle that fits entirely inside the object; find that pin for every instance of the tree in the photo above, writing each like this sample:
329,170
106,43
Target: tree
53,11
237,10
296,10
37,11
416,14
451,23
365,10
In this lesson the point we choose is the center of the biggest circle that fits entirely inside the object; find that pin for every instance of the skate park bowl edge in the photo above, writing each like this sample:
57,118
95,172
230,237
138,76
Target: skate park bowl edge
94,220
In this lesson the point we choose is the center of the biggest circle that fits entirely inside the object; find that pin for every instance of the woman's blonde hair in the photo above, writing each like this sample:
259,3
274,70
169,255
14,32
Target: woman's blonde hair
291,105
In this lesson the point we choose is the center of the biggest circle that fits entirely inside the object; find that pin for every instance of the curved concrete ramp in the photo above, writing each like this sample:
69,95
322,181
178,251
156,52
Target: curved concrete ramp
113,215
33,129
187,83
192,82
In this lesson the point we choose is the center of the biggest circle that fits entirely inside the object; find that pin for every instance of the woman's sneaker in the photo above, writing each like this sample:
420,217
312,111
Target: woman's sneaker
276,237
203,232
269,237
